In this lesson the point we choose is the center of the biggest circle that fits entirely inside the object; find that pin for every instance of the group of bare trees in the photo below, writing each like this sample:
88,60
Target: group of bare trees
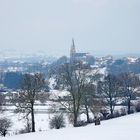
74,79
85,93
128,86
123,87
108,89
79,81
89,95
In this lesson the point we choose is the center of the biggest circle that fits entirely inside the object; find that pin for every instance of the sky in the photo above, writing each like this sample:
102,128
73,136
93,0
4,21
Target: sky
48,26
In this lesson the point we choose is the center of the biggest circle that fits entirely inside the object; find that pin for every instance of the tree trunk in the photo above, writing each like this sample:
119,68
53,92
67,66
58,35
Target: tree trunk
129,106
75,112
87,113
33,118
75,116
75,120
111,111
111,108
4,133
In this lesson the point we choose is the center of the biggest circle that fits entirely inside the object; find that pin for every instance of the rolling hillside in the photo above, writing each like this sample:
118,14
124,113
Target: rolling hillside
123,128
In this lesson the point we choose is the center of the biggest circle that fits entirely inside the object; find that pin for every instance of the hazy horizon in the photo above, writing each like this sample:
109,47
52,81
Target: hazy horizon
100,27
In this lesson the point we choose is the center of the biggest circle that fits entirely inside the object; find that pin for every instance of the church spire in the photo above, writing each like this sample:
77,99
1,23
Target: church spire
72,50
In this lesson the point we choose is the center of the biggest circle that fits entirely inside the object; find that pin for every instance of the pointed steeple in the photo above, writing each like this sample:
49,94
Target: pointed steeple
72,50
73,44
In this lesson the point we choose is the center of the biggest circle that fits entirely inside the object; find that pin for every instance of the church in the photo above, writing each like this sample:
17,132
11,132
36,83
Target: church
76,57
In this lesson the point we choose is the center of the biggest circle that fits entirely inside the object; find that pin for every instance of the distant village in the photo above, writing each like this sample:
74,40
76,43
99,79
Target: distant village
13,69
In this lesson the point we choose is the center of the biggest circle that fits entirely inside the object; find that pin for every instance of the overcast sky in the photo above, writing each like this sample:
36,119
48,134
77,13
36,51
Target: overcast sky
98,26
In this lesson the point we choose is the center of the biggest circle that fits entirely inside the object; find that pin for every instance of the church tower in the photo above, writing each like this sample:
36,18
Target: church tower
72,50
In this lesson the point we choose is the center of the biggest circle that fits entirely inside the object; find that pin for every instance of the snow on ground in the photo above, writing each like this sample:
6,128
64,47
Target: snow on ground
102,70
42,121
131,59
123,128
55,94
39,107
43,115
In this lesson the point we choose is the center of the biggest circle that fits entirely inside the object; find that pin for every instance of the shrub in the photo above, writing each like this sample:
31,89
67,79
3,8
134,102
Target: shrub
81,123
27,129
57,122
23,131
123,112
5,124
116,114
104,113
132,111
109,116
137,107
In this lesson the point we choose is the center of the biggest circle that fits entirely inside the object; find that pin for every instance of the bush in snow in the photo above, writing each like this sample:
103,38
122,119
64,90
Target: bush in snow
81,123
57,122
104,113
117,114
137,107
123,112
5,124
27,129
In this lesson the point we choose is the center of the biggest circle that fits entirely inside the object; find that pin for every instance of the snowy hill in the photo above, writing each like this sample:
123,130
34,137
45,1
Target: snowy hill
123,128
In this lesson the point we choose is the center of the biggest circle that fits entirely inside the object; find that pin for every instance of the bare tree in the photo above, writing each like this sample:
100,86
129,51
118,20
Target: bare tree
5,124
25,100
73,78
108,89
88,98
129,83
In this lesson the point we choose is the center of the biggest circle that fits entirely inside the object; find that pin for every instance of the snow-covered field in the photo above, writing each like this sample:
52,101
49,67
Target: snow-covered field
42,118
123,128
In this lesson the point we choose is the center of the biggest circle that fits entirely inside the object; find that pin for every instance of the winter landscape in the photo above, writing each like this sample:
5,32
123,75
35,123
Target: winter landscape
69,70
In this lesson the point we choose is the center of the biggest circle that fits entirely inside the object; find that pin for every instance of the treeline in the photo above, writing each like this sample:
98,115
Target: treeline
123,66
